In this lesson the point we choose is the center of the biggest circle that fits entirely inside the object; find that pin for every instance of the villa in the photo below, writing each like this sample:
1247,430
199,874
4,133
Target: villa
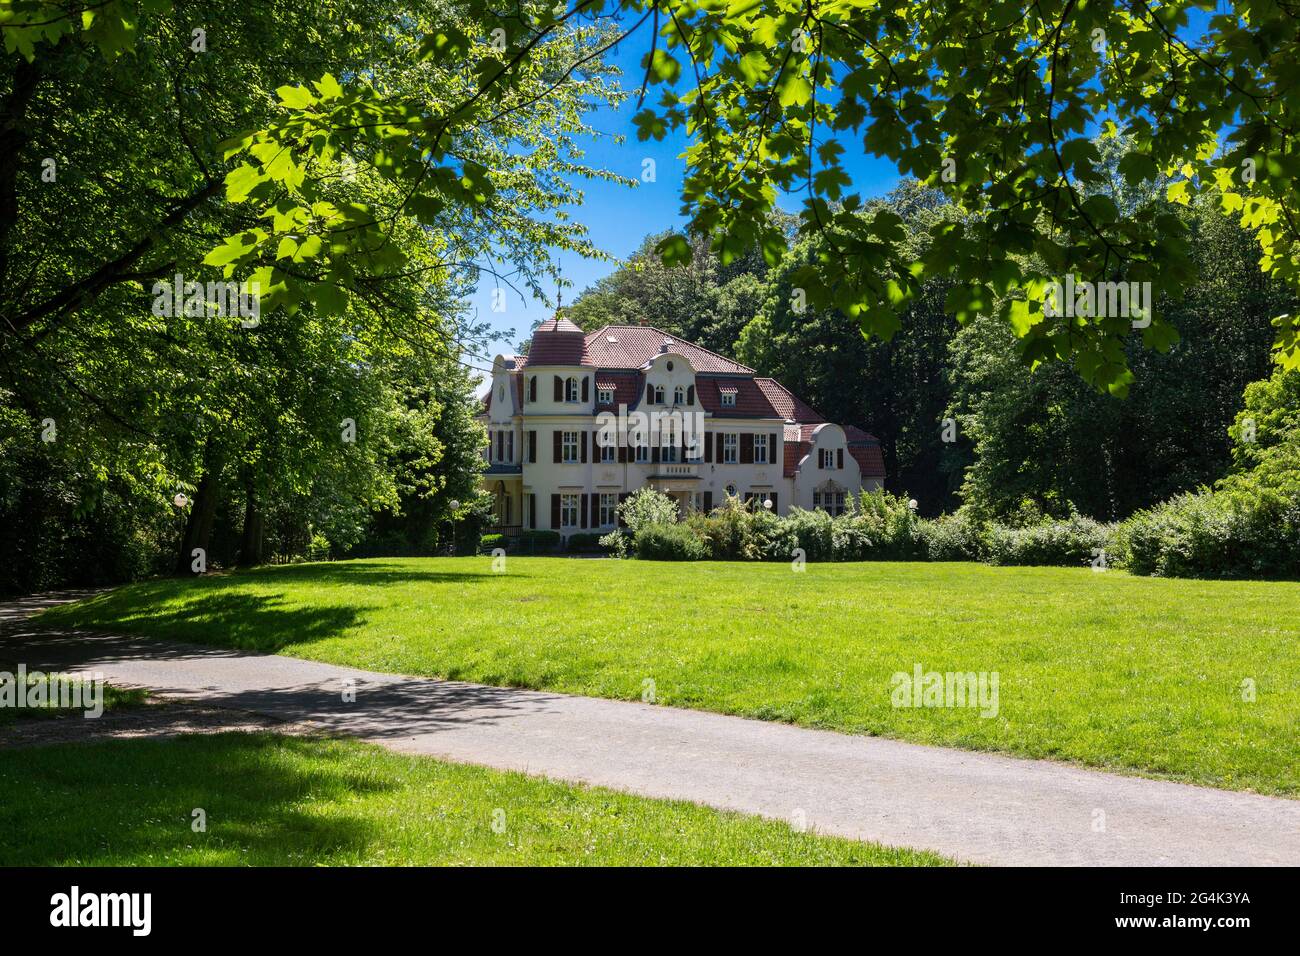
586,418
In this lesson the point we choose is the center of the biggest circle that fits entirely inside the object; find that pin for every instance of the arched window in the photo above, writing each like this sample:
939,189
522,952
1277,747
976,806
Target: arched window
571,389
679,396
659,395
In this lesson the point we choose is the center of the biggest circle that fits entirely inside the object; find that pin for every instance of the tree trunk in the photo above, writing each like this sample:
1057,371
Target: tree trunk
250,547
198,530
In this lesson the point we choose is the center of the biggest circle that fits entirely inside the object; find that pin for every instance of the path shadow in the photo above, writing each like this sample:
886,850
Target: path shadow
67,804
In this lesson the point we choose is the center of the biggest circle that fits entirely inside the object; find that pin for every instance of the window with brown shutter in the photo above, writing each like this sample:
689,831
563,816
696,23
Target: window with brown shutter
746,448
555,512
559,389
557,453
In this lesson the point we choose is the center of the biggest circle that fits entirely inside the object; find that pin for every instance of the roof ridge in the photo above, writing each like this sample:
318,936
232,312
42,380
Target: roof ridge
654,328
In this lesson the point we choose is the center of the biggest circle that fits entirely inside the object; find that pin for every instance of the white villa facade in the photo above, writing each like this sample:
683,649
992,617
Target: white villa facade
585,419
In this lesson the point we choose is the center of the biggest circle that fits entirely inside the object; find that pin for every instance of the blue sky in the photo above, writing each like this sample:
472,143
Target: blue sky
619,217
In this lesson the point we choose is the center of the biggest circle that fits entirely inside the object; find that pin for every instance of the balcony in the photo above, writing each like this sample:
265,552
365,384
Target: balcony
676,470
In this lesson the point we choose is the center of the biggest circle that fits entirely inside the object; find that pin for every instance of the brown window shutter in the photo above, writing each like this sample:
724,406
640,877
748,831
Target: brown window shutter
559,389
532,389
582,446
690,394
555,512
532,447
532,510
556,448
708,447
746,449
595,511
839,458
582,511
654,454
623,496
708,502
649,394
622,454
585,393
773,497
719,455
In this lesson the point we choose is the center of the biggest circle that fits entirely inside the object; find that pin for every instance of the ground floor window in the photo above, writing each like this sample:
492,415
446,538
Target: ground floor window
568,511
608,504
832,502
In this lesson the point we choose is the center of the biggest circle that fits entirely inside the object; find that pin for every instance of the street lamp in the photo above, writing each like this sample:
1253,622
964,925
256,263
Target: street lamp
767,503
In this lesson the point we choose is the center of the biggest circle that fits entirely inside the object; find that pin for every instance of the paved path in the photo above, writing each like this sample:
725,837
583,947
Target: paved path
976,807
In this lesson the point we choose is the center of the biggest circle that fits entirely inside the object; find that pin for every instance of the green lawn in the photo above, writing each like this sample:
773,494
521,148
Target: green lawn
1135,674
272,800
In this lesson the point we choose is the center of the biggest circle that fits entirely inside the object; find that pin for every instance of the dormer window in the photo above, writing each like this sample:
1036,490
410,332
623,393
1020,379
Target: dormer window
571,389
605,396
728,399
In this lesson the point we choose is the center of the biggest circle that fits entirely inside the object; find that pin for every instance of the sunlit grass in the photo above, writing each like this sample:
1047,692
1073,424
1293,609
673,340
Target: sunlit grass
1127,673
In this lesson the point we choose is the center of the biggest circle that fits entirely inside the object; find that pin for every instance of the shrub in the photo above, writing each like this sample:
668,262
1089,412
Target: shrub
616,543
585,542
670,542
491,542
1236,531
954,537
810,531
538,542
734,532
1072,542
646,506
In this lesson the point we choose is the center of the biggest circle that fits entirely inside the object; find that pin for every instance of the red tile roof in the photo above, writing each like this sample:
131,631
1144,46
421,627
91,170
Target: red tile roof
794,452
788,405
870,459
628,388
557,325
750,400
636,345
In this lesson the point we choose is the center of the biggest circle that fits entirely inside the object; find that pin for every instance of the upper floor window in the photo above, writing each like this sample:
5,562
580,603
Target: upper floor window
569,447
532,388
728,399
760,449
642,451
730,448
605,396
571,389
658,395
826,458
679,395
608,453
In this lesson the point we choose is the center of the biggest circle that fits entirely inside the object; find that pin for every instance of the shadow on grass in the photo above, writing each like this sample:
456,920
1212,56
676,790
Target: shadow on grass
67,803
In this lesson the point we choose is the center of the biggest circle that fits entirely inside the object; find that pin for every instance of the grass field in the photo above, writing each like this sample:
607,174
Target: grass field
272,800
1134,674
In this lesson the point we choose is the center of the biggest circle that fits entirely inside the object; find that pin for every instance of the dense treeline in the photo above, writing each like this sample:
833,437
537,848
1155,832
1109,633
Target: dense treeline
963,420
146,424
